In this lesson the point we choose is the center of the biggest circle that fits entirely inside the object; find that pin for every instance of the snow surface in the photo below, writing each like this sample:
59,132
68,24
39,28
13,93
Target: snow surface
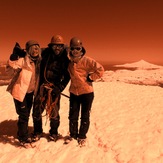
126,125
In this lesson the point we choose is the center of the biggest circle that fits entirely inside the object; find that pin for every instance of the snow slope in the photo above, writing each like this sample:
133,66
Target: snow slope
126,127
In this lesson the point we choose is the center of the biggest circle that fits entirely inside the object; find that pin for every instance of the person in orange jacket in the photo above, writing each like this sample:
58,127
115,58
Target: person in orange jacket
83,71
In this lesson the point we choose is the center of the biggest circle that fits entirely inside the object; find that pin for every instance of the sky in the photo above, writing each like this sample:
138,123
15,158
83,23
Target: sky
125,124
111,31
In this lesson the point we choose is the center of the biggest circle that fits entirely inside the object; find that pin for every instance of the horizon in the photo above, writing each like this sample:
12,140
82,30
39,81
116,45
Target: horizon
110,65
113,62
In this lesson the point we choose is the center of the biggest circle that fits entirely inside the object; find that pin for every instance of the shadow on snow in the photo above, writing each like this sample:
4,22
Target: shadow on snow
8,132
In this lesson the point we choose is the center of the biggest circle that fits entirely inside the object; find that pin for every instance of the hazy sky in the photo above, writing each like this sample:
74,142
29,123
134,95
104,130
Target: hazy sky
111,30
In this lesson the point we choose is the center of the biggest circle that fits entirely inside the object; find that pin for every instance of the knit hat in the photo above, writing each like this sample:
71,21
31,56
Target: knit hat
30,43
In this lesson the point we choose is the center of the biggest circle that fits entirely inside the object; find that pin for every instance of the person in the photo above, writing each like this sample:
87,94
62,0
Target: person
54,77
24,65
83,71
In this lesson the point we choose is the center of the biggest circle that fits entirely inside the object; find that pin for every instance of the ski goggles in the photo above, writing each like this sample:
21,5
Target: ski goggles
76,48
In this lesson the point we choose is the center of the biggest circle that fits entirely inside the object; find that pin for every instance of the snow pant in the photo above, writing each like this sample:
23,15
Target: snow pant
23,110
38,110
85,102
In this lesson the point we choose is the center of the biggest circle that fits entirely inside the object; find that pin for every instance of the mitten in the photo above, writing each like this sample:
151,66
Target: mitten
14,57
17,53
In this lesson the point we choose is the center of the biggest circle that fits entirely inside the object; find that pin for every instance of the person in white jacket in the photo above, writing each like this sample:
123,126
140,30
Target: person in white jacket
24,65
83,71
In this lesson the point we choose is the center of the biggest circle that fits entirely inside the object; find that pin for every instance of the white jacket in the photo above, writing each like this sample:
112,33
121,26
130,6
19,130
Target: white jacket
22,71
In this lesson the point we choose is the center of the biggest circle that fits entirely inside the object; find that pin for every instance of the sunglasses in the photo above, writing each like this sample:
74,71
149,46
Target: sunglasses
76,48
58,46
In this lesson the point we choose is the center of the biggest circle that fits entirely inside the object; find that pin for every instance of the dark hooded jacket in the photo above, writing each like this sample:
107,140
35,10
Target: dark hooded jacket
54,68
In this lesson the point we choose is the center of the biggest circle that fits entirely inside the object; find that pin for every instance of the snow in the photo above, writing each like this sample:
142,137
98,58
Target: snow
150,74
140,65
126,124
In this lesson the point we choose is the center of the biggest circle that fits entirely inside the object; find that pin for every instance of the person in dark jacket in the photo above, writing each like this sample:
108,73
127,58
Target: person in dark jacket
54,77
24,65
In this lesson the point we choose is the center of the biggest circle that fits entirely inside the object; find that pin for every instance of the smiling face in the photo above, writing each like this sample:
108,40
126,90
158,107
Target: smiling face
57,48
34,51
76,51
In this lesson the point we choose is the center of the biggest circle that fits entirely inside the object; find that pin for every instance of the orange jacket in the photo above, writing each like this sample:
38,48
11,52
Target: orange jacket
79,72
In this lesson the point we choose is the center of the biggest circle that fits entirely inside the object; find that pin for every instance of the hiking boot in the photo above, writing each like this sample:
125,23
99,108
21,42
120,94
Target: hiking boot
55,137
36,136
28,140
67,139
81,142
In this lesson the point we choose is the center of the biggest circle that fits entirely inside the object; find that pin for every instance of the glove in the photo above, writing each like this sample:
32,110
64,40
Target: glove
17,53
89,79
56,90
14,57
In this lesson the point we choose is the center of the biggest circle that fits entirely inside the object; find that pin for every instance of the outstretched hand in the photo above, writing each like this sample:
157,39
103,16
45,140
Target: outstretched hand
17,53
18,50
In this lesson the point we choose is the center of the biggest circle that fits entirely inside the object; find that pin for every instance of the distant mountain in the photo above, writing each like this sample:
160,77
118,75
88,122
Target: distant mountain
140,72
140,65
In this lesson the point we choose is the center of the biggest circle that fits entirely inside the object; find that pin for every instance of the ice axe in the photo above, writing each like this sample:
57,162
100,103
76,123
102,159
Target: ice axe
65,95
